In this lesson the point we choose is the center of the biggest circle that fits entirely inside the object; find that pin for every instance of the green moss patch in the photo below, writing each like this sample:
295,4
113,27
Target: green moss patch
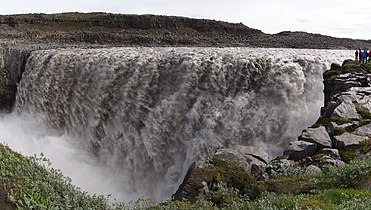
325,121
363,112
221,172
350,152
368,67
285,185
338,131
330,74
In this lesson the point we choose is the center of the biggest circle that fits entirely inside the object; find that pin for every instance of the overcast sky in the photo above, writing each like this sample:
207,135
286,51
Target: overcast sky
339,18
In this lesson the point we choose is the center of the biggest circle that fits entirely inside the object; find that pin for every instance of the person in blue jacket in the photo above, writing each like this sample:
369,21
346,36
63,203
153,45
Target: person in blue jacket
364,56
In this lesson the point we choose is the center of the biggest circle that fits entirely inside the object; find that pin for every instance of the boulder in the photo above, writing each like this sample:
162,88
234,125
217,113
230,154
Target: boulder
317,135
346,110
278,165
348,139
253,159
312,169
298,150
334,153
207,175
330,161
363,130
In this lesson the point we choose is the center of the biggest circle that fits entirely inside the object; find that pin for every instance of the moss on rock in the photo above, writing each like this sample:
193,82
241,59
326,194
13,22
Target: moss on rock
285,185
350,152
219,171
363,112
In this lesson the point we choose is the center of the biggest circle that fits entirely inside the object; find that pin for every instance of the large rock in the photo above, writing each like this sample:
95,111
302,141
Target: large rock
334,153
208,174
346,110
363,130
348,139
312,169
278,166
317,135
253,159
298,150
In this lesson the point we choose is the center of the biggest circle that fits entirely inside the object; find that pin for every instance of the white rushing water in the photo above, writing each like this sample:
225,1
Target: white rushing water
134,119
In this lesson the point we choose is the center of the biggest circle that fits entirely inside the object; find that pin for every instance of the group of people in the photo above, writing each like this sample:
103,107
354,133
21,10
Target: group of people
362,56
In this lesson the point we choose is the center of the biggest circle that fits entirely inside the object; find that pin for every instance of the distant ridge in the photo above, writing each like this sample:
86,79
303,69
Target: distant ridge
154,30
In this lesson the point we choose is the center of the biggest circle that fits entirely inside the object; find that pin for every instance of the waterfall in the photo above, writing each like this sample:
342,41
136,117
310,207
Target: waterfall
151,112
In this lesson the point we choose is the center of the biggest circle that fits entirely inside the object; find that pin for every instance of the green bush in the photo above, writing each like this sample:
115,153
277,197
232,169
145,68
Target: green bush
350,68
32,184
347,176
330,74
348,61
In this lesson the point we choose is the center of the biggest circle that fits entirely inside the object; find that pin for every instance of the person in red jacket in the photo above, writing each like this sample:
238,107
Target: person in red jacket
369,56
360,56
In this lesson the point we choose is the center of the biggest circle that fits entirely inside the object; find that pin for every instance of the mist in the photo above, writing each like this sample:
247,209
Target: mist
29,136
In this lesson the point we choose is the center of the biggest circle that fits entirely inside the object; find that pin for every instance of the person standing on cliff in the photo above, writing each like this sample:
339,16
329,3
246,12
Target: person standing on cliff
356,54
364,56
369,56
360,56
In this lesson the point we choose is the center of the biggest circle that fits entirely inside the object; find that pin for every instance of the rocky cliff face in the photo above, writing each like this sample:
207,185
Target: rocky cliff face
343,132
12,61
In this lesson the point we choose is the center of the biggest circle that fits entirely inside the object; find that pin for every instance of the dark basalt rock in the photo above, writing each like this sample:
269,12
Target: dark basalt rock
154,30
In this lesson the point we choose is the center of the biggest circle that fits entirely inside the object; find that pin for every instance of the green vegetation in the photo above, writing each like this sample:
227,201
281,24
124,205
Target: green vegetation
325,121
363,111
350,152
333,188
220,174
368,67
32,184
338,131
348,66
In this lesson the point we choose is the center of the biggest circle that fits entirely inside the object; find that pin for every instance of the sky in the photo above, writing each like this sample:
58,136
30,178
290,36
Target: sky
338,18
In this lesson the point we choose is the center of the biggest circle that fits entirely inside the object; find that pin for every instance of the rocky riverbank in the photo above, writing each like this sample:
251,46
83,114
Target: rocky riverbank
342,134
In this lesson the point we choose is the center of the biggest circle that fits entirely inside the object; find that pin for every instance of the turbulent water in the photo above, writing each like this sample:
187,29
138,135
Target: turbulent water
148,113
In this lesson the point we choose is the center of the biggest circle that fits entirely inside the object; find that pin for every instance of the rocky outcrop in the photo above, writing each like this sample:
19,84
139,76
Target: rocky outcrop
319,136
12,62
253,159
343,131
212,173
13,58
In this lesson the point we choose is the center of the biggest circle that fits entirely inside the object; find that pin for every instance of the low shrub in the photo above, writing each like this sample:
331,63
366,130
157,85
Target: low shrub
32,184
